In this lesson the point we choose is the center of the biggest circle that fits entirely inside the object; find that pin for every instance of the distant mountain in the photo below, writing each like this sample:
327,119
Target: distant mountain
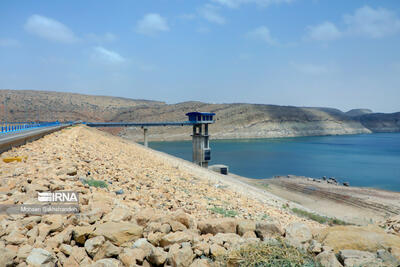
358,112
31,105
381,122
238,120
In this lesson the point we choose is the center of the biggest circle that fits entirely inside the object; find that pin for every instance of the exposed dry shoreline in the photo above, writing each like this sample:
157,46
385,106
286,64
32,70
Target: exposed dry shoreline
255,131
359,205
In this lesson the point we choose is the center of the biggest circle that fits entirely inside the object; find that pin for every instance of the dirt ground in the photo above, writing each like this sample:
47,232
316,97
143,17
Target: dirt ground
352,204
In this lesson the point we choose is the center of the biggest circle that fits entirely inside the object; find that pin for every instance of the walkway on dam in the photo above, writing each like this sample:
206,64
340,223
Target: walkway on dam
10,139
139,124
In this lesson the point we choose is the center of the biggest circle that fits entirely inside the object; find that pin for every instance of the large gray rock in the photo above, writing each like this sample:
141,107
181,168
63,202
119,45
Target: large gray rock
185,219
158,256
200,263
387,257
93,245
297,233
7,257
217,250
358,258
66,249
315,247
245,226
119,232
180,257
144,245
79,254
15,238
23,252
40,257
175,237
328,259
107,263
268,229
219,225
81,233
107,250
129,256
230,238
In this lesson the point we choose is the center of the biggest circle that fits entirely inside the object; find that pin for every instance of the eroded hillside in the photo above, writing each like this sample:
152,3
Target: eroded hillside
236,120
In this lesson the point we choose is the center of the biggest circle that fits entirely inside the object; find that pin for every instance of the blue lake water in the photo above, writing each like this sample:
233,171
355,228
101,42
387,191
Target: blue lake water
371,160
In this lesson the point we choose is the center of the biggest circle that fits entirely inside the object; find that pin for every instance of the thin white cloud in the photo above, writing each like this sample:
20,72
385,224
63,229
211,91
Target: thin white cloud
309,68
372,23
262,33
188,16
49,29
107,56
101,38
9,42
151,24
210,13
202,29
238,3
326,31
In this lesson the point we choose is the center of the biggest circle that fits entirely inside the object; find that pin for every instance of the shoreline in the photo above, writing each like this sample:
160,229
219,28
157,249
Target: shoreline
275,194
344,177
358,205
166,137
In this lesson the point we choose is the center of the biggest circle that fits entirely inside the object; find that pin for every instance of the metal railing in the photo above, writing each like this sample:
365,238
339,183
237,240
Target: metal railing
12,127
138,124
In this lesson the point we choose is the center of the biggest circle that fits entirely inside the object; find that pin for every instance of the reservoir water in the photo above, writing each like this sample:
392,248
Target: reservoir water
371,160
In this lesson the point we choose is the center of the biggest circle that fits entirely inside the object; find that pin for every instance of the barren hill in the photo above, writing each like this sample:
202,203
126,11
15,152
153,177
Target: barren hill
358,112
46,105
237,120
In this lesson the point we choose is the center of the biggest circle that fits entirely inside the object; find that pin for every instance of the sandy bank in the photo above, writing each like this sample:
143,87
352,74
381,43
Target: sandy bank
359,205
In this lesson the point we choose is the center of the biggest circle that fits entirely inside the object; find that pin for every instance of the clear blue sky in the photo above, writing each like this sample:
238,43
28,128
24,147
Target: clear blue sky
341,53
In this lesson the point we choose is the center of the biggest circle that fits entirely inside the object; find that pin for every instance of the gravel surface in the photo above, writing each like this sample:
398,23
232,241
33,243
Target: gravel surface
148,178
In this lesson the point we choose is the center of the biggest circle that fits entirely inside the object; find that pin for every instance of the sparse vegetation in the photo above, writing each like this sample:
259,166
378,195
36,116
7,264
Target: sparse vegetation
319,218
265,217
95,183
222,211
272,254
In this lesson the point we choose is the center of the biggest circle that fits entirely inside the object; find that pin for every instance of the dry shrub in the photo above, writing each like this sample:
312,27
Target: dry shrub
267,254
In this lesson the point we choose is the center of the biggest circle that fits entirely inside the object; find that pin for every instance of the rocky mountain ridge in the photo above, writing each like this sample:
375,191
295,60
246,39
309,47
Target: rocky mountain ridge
237,120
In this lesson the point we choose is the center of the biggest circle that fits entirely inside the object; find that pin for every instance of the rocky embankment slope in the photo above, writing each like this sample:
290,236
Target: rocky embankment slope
143,208
255,121
236,120
381,123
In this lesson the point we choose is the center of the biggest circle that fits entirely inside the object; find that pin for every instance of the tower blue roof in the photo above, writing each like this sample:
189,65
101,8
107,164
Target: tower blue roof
200,113
201,117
